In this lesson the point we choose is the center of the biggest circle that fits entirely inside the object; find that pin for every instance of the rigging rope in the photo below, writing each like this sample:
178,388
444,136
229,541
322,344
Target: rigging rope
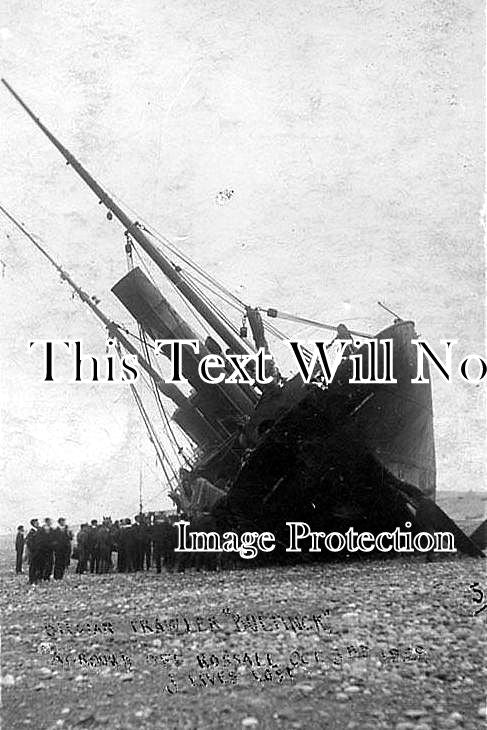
150,430
154,438
165,242
218,294
203,324
177,448
214,307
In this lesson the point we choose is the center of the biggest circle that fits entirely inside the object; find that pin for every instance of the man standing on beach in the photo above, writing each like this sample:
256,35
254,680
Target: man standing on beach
34,552
82,548
46,540
19,548
93,547
62,548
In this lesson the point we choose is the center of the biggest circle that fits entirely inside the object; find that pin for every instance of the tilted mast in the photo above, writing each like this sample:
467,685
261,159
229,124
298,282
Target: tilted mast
200,430
134,230
167,389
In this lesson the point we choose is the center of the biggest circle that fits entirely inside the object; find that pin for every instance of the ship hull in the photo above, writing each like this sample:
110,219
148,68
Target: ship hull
344,456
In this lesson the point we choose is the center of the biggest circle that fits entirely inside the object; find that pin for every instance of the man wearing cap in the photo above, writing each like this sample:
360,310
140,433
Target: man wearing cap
62,548
82,548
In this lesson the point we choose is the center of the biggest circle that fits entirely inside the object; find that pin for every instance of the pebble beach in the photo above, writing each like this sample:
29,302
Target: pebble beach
369,644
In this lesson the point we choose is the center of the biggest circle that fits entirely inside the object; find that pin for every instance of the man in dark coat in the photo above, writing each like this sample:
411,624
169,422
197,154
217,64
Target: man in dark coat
172,559
115,530
104,547
33,551
126,545
137,530
131,541
82,548
46,545
121,547
204,522
164,538
62,548
93,547
19,548
68,541
147,542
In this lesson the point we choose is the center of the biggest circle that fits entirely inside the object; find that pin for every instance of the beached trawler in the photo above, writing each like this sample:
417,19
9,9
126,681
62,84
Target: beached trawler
334,455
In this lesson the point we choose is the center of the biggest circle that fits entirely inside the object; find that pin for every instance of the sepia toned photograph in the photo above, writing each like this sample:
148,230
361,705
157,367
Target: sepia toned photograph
243,368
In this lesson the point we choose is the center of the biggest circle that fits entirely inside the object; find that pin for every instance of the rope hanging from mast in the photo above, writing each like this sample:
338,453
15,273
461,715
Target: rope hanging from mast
161,457
176,446
135,230
220,323
114,332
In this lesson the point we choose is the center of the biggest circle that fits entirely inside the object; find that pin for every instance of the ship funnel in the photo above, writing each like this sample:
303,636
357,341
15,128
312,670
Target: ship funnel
222,405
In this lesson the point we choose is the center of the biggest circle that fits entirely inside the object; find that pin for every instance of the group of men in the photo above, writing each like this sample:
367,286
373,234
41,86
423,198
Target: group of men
48,549
137,545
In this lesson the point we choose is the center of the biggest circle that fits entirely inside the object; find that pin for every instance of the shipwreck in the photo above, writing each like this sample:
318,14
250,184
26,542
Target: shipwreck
334,455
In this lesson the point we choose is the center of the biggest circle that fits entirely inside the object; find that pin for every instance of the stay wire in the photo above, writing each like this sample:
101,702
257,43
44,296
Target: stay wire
218,294
164,241
154,439
177,448
155,436
197,316
151,434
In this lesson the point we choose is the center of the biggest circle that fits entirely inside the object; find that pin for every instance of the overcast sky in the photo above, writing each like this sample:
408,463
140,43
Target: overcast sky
351,132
